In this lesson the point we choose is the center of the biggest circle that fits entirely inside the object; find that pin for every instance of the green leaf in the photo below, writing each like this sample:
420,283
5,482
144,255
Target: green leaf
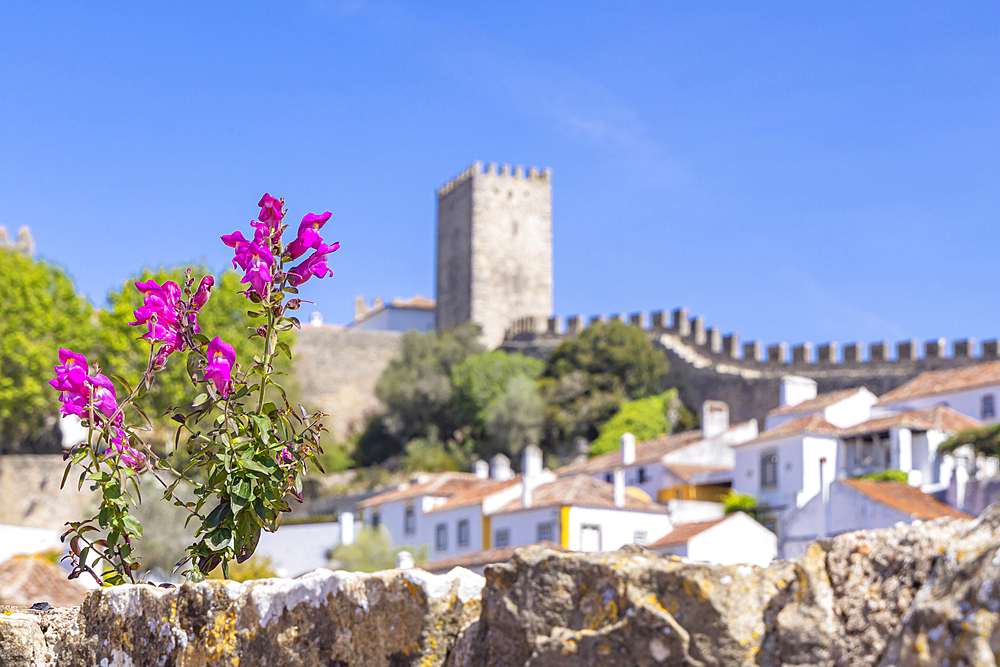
199,400
284,348
216,516
132,525
220,538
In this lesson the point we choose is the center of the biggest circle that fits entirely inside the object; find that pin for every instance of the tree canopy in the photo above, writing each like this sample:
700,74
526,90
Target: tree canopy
39,313
587,378
984,440
645,418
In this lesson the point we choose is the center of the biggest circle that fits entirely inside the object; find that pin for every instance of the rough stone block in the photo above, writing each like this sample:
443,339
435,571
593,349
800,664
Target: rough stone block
681,325
852,353
965,348
731,345
878,351
827,353
906,350
777,354
990,349
934,349
802,354
753,351
715,340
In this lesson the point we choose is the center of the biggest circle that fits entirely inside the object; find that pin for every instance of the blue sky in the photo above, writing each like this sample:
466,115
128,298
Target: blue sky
792,171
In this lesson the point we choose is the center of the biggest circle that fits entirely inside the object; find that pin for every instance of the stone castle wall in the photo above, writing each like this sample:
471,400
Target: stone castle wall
707,365
30,494
336,371
494,248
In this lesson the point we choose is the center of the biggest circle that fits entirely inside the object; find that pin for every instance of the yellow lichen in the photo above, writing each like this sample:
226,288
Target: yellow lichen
221,639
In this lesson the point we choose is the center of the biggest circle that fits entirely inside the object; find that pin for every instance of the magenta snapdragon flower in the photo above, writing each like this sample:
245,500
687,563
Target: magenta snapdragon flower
258,269
161,313
221,357
128,455
77,388
286,455
270,213
314,265
202,295
308,234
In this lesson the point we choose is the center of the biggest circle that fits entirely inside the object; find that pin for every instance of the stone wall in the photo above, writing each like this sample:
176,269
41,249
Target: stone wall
911,595
336,371
707,365
30,495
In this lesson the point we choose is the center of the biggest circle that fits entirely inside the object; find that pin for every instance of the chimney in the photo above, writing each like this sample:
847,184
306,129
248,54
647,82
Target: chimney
500,468
404,560
714,418
346,528
482,469
619,490
628,449
796,389
531,468
531,461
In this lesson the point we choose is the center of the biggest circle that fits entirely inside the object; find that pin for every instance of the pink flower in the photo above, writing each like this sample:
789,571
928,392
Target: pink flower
204,292
270,212
308,235
315,265
129,455
258,268
221,357
72,372
77,389
104,395
286,455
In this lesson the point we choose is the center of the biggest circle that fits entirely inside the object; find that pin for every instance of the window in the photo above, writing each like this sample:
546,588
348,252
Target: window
544,532
463,533
639,537
590,538
441,537
643,477
502,538
988,411
609,478
771,524
768,470
410,522
376,519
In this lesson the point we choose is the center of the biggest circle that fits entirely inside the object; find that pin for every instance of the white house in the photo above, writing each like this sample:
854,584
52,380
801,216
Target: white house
456,514
399,315
688,466
790,465
972,390
856,504
733,539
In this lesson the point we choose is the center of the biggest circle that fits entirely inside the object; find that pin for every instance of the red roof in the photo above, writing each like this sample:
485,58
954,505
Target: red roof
687,472
25,580
816,404
442,484
932,383
475,494
583,491
904,498
683,533
647,451
940,417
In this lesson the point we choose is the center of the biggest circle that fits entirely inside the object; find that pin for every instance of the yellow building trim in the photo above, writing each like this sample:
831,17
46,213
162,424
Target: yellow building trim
486,532
710,492
564,530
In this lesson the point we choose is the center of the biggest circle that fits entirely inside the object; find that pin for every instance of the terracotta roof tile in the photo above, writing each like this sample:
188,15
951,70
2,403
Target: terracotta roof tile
940,417
932,383
647,451
684,532
905,498
582,491
477,558
25,580
475,493
418,301
816,404
443,484
686,472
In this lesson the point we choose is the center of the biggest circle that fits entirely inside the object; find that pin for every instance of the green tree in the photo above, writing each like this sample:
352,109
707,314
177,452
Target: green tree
739,502
416,390
588,378
225,316
984,440
371,551
39,313
644,418
888,475
496,397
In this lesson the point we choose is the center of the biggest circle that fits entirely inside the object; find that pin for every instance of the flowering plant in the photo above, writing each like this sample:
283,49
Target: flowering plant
248,448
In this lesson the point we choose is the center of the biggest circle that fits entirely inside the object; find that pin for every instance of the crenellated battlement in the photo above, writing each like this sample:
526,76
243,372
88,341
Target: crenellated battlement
716,347
497,171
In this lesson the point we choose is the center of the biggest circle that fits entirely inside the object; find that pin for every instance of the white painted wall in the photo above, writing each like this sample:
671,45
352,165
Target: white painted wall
451,518
523,525
852,410
16,540
967,401
297,549
618,527
738,539
397,319
693,511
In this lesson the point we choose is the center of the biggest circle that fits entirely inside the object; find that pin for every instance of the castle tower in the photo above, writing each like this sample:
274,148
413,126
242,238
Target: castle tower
494,249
